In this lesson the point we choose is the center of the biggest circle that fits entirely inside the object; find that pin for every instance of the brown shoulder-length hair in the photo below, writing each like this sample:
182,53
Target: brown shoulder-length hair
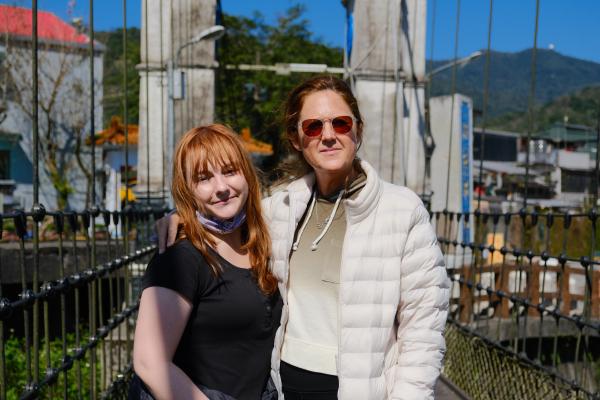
219,146
296,166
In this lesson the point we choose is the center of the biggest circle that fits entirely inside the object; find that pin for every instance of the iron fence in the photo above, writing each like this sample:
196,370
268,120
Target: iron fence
526,284
72,310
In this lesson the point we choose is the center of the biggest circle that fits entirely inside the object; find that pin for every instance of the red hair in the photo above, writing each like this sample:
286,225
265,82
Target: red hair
219,146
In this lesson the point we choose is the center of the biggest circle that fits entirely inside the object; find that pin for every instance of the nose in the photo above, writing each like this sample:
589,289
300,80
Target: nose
328,132
220,184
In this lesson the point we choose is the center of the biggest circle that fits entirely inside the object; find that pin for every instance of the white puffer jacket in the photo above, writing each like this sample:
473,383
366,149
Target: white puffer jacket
393,289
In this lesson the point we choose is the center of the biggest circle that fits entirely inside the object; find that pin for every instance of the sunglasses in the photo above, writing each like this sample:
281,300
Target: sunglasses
314,127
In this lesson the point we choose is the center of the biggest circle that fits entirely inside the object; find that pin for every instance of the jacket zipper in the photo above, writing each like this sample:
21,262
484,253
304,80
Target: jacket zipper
340,304
291,225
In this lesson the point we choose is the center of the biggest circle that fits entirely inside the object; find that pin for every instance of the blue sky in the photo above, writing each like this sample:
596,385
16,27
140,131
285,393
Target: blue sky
571,27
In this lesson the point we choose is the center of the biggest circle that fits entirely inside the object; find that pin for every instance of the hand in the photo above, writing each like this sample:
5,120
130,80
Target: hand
166,228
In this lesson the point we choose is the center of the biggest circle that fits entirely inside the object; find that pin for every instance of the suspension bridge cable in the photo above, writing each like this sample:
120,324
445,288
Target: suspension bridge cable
596,176
429,82
92,102
147,89
162,101
92,258
34,100
486,84
410,37
191,70
385,71
125,92
396,102
453,94
36,200
531,106
431,49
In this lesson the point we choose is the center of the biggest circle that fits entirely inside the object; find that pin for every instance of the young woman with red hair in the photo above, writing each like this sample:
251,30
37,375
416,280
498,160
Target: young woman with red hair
210,305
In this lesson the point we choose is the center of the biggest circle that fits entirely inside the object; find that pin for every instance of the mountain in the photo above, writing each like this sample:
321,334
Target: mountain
510,76
581,107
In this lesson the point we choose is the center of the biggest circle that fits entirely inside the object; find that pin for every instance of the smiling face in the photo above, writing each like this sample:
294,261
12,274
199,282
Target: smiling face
221,192
331,154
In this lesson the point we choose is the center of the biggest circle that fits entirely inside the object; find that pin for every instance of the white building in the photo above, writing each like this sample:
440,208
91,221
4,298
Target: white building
64,109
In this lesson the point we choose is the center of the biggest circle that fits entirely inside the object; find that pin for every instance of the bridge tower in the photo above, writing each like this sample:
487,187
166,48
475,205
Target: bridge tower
386,54
167,26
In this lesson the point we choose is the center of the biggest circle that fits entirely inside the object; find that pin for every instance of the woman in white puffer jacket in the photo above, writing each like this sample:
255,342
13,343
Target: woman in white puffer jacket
361,274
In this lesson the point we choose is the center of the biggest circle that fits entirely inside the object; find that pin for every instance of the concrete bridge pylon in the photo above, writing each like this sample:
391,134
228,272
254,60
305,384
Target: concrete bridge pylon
168,25
386,59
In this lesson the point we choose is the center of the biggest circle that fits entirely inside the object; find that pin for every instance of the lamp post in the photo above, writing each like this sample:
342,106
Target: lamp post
215,32
460,62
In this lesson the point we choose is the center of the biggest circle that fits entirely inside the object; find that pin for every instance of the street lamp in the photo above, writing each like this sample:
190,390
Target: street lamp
460,62
215,32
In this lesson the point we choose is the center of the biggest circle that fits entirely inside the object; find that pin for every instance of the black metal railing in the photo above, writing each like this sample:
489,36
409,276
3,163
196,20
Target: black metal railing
87,298
528,283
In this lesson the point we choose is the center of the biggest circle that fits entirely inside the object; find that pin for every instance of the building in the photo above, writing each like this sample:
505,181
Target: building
117,169
64,118
561,166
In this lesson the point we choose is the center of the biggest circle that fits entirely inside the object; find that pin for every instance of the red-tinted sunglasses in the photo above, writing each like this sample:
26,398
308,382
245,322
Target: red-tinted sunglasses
314,127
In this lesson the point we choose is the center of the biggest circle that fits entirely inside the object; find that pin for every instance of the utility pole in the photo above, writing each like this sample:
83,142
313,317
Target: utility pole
386,64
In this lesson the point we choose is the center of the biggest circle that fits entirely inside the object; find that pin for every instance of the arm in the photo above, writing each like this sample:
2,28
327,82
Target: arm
162,317
422,312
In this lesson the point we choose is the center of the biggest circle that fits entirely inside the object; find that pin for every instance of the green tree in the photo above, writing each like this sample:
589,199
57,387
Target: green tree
253,99
114,64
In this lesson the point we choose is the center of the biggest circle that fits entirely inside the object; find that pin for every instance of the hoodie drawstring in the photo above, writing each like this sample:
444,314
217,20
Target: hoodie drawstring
329,220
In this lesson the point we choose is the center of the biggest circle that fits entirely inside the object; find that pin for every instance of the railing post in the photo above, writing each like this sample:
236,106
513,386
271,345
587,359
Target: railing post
595,291
534,288
566,294
466,306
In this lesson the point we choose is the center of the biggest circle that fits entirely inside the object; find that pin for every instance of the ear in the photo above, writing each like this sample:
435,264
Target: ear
295,141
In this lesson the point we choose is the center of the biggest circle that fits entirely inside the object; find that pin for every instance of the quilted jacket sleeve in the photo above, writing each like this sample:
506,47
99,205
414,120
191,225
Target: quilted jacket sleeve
422,312
267,209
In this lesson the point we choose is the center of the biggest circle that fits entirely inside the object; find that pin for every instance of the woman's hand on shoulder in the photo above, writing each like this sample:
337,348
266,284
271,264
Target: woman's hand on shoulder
166,229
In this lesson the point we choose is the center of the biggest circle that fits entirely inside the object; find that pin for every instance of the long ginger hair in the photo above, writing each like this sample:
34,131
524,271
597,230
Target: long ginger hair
219,146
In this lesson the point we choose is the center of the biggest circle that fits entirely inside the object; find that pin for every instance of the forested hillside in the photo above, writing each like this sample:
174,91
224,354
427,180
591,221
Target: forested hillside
510,76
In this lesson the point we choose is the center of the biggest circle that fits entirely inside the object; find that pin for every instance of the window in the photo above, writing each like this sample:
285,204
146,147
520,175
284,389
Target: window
4,164
576,181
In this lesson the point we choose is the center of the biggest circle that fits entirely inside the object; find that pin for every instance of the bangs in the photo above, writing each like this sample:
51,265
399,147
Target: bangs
214,149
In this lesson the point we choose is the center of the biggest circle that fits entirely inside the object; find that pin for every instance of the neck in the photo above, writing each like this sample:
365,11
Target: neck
232,240
328,183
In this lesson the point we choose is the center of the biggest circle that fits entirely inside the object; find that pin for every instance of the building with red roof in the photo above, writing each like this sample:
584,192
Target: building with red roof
64,89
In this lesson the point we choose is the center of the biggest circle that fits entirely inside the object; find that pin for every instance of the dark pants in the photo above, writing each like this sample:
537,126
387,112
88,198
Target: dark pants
300,384
139,391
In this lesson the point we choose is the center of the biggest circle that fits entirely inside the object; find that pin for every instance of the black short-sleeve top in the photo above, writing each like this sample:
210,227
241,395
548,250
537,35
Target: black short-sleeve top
228,339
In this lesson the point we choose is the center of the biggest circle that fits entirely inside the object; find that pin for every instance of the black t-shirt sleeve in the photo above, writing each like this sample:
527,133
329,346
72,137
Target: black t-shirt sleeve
181,269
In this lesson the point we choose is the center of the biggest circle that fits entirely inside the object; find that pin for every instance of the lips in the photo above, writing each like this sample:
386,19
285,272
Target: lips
223,202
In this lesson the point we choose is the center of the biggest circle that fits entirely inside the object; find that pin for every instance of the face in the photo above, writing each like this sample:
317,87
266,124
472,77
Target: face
221,192
330,153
